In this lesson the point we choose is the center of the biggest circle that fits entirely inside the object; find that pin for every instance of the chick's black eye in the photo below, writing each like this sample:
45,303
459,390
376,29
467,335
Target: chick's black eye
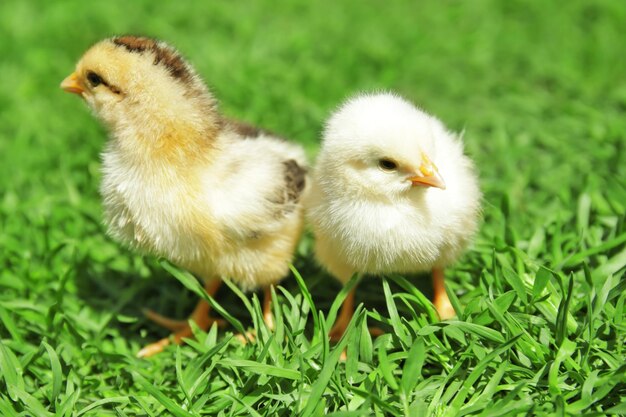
94,79
387,164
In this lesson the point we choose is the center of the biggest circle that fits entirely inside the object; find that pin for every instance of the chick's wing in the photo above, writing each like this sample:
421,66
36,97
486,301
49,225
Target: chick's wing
257,188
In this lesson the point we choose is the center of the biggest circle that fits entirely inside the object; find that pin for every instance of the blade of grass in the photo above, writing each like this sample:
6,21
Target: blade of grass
261,369
604,247
411,372
307,296
166,402
191,283
428,307
563,313
384,366
57,373
338,302
398,328
11,372
476,373
319,386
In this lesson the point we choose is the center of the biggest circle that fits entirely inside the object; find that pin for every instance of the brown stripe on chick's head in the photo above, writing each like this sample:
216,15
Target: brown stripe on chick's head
163,54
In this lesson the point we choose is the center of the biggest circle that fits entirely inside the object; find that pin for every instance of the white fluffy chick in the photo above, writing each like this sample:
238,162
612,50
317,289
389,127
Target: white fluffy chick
216,197
392,193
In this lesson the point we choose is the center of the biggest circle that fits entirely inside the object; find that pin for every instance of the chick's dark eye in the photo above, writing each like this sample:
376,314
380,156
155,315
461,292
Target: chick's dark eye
94,79
387,164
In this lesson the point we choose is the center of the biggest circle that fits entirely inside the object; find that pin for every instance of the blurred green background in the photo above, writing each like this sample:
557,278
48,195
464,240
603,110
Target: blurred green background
537,88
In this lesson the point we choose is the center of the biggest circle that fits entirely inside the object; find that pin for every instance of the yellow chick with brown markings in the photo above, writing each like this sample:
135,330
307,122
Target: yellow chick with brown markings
216,197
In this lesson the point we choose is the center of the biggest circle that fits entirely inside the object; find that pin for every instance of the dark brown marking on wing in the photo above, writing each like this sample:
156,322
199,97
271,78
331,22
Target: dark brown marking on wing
244,129
295,180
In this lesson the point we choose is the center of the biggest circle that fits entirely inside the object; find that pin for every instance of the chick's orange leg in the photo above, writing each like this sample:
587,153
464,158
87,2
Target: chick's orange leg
268,316
181,328
200,316
171,324
441,301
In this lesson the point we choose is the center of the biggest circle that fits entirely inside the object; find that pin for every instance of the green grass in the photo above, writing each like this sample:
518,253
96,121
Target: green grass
538,89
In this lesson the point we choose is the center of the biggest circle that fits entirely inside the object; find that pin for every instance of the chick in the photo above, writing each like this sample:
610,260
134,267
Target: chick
392,193
217,197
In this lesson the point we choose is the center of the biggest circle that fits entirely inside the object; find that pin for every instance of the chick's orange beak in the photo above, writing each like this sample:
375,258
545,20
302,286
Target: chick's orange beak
428,175
72,85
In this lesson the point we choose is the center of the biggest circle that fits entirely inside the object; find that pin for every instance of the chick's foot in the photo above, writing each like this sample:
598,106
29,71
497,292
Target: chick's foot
203,322
181,328
158,347
268,318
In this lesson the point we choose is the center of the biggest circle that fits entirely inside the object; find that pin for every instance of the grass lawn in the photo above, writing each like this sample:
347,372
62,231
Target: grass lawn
539,90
